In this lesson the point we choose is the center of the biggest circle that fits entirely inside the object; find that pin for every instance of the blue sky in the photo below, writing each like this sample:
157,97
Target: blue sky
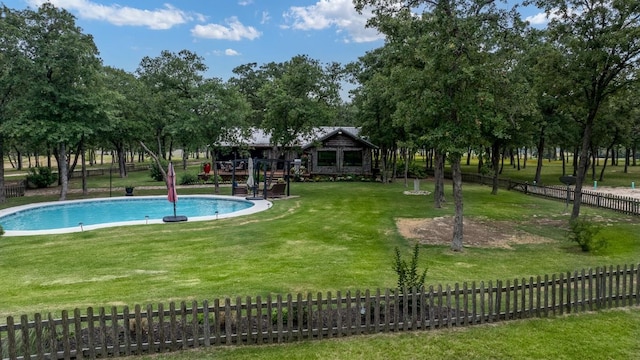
226,33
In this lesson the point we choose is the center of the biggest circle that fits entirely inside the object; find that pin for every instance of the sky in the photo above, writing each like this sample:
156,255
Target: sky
226,33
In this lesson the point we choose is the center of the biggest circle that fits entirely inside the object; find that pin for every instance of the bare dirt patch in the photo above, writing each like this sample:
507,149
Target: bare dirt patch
619,191
477,233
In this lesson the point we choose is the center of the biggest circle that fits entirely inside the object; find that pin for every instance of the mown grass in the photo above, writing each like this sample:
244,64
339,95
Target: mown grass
328,237
608,334
331,236
614,176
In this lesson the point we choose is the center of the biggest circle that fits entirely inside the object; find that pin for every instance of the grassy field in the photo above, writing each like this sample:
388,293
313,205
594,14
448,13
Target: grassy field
552,170
331,236
327,237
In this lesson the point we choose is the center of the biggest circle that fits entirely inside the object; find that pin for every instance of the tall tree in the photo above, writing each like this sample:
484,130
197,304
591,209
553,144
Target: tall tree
300,99
12,68
376,101
454,38
248,80
222,116
601,43
60,106
171,84
124,121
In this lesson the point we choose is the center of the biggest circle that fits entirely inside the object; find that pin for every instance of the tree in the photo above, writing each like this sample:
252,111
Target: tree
454,39
171,83
600,40
376,101
124,118
248,81
301,98
221,112
12,67
60,106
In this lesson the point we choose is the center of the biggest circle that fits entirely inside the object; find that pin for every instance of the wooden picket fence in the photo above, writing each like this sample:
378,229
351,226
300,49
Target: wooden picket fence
14,189
254,321
622,204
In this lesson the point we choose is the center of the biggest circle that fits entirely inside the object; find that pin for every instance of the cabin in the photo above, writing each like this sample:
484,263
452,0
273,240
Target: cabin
339,152
327,150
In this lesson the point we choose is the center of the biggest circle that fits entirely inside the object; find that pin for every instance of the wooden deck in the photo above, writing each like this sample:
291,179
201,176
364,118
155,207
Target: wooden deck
241,175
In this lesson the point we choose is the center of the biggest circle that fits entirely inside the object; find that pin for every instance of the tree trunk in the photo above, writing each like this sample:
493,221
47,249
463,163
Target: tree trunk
63,174
216,183
185,156
394,158
627,157
158,163
594,162
504,153
576,158
438,193
384,174
582,168
405,155
76,156
456,243
540,149
606,158
83,166
122,159
3,197
495,158
19,160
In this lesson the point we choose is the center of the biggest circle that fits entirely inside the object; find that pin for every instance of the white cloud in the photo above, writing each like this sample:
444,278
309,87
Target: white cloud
537,19
340,14
234,31
245,2
231,52
156,19
554,14
265,17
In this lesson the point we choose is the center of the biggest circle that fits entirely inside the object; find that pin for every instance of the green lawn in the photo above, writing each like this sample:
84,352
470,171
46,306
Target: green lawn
328,237
552,170
331,236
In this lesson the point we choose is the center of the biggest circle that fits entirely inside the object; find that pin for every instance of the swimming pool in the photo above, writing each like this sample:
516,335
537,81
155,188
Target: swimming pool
82,215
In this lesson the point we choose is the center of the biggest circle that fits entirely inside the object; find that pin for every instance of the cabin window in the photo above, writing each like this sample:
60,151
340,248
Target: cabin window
352,158
326,158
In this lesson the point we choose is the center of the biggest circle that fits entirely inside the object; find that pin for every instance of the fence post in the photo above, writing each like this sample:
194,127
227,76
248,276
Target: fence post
24,329
92,347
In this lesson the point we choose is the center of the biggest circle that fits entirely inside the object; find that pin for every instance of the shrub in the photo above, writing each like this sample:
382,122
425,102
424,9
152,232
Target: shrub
155,172
408,277
285,316
41,177
189,179
415,170
1,230
584,232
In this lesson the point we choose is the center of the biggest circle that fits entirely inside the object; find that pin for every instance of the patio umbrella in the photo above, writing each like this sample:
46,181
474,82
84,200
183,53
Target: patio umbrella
173,195
250,181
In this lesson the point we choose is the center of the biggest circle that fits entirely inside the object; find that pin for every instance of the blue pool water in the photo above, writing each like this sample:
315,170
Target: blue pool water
81,215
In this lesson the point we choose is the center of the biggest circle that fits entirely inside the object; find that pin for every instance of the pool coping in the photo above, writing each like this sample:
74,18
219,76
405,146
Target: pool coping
259,205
